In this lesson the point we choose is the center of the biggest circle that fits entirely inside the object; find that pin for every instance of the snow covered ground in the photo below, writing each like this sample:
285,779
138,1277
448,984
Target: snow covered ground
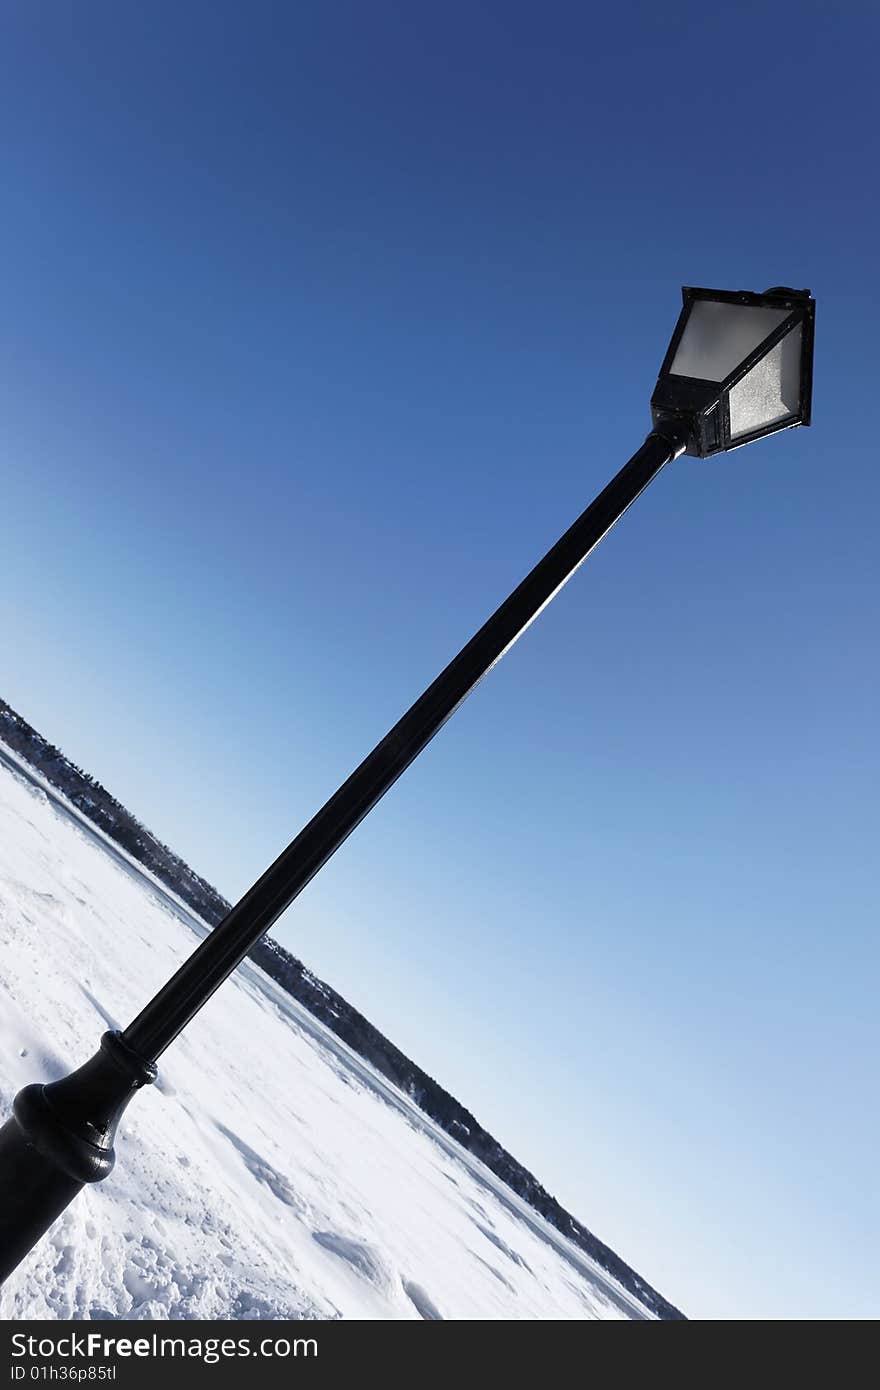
270,1173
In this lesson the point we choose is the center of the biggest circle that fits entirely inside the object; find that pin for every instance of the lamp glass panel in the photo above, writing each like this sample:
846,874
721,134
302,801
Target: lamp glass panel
771,391
718,336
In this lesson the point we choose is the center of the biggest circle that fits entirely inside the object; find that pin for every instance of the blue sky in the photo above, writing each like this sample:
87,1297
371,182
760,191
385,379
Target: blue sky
320,324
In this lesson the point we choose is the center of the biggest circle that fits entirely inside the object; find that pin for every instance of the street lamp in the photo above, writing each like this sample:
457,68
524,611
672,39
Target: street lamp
738,367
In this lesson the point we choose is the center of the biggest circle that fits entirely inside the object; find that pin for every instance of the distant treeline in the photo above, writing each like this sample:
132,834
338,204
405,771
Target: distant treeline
95,802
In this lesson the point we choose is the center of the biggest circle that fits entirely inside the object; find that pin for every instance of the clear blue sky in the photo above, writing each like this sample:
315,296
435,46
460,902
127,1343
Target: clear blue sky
320,323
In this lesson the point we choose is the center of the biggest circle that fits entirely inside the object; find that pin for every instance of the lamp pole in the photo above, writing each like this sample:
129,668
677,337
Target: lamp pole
61,1136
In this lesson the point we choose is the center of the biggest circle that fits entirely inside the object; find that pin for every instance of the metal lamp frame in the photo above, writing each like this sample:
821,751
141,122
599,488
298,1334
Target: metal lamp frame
705,405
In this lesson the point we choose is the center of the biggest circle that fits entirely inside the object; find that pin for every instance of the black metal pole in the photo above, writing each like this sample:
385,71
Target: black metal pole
61,1136
217,956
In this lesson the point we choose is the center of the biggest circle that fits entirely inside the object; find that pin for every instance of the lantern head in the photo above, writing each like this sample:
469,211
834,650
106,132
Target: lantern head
739,366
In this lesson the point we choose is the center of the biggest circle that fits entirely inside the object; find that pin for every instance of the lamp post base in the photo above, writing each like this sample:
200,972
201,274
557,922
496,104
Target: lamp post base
59,1138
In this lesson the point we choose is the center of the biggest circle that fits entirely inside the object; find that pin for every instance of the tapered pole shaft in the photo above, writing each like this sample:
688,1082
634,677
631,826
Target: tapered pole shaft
217,956
60,1136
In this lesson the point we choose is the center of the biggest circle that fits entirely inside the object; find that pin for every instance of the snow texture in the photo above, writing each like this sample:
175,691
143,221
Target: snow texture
270,1173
